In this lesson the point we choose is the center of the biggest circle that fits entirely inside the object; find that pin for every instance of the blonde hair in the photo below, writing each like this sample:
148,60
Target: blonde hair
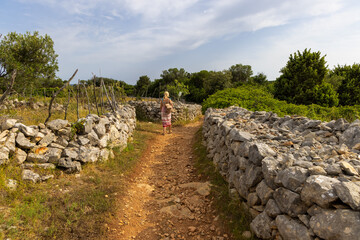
166,94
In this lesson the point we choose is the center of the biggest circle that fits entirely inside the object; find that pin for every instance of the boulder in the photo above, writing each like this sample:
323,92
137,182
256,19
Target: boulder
270,168
36,158
57,124
289,202
27,131
272,209
253,175
319,189
23,142
292,178
10,142
258,151
4,155
348,168
238,136
20,156
349,193
47,139
340,224
28,175
292,229
8,123
261,226
69,165
264,192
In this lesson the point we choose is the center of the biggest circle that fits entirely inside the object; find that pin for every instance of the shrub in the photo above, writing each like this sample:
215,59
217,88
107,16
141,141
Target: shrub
257,98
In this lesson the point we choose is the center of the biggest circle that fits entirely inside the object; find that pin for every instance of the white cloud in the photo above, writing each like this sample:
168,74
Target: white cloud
123,32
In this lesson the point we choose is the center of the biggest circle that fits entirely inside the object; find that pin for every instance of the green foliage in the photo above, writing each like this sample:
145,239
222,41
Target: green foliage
33,56
240,73
259,99
349,89
260,78
172,74
142,85
302,79
178,89
217,81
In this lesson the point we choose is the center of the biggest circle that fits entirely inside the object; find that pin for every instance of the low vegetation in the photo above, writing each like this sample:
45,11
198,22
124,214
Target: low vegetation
68,206
229,207
258,98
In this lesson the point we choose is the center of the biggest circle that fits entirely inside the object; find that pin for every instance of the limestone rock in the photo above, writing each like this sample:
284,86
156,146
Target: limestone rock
340,224
319,189
57,124
27,131
20,156
37,158
349,193
261,226
272,209
348,168
23,142
258,151
239,136
292,178
289,202
264,192
8,123
69,165
253,175
4,155
29,175
292,229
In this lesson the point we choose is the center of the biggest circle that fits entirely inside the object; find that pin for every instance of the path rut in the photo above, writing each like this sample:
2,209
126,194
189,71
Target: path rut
165,197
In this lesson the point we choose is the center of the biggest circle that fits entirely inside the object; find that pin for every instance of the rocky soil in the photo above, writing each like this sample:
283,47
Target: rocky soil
165,197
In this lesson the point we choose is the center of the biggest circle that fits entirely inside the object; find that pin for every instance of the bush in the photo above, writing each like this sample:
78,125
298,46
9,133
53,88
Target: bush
257,98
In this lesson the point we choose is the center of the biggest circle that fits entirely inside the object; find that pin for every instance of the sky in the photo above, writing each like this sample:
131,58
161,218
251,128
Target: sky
126,39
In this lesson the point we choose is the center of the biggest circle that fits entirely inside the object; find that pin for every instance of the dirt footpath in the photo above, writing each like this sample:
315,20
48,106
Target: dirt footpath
165,198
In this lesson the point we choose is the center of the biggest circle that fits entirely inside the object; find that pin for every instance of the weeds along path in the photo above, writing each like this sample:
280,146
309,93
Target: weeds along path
165,198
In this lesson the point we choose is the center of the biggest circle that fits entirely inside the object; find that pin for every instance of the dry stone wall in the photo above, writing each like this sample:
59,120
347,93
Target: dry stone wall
59,144
299,178
150,110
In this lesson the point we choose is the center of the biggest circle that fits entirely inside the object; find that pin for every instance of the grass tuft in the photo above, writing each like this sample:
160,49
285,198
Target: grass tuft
229,209
69,206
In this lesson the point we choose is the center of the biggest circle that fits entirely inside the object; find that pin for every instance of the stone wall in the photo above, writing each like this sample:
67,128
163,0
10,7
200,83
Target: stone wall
299,178
59,144
150,110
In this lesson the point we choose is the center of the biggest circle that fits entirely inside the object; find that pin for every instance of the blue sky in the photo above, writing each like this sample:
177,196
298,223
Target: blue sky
124,39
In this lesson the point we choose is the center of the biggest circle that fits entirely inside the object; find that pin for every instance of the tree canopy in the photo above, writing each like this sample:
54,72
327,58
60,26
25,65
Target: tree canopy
302,80
349,89
34,58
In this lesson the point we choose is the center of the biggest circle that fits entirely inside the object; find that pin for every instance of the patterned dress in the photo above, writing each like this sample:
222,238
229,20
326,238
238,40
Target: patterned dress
165,117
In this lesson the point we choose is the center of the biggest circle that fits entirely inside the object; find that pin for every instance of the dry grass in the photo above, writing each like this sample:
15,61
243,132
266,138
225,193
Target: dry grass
68,206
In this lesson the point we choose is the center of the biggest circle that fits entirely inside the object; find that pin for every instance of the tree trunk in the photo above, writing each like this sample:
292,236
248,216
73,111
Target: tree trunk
8,90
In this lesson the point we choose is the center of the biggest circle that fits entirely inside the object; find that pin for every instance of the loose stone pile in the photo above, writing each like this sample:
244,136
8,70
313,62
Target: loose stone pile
298,177
12,104
150,110
59,144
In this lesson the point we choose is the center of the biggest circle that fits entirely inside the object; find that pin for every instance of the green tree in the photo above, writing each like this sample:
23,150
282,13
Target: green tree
178,90
260,78
32,55
217,81
169,76
142,85
302,79
349,89
240,73
196,87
